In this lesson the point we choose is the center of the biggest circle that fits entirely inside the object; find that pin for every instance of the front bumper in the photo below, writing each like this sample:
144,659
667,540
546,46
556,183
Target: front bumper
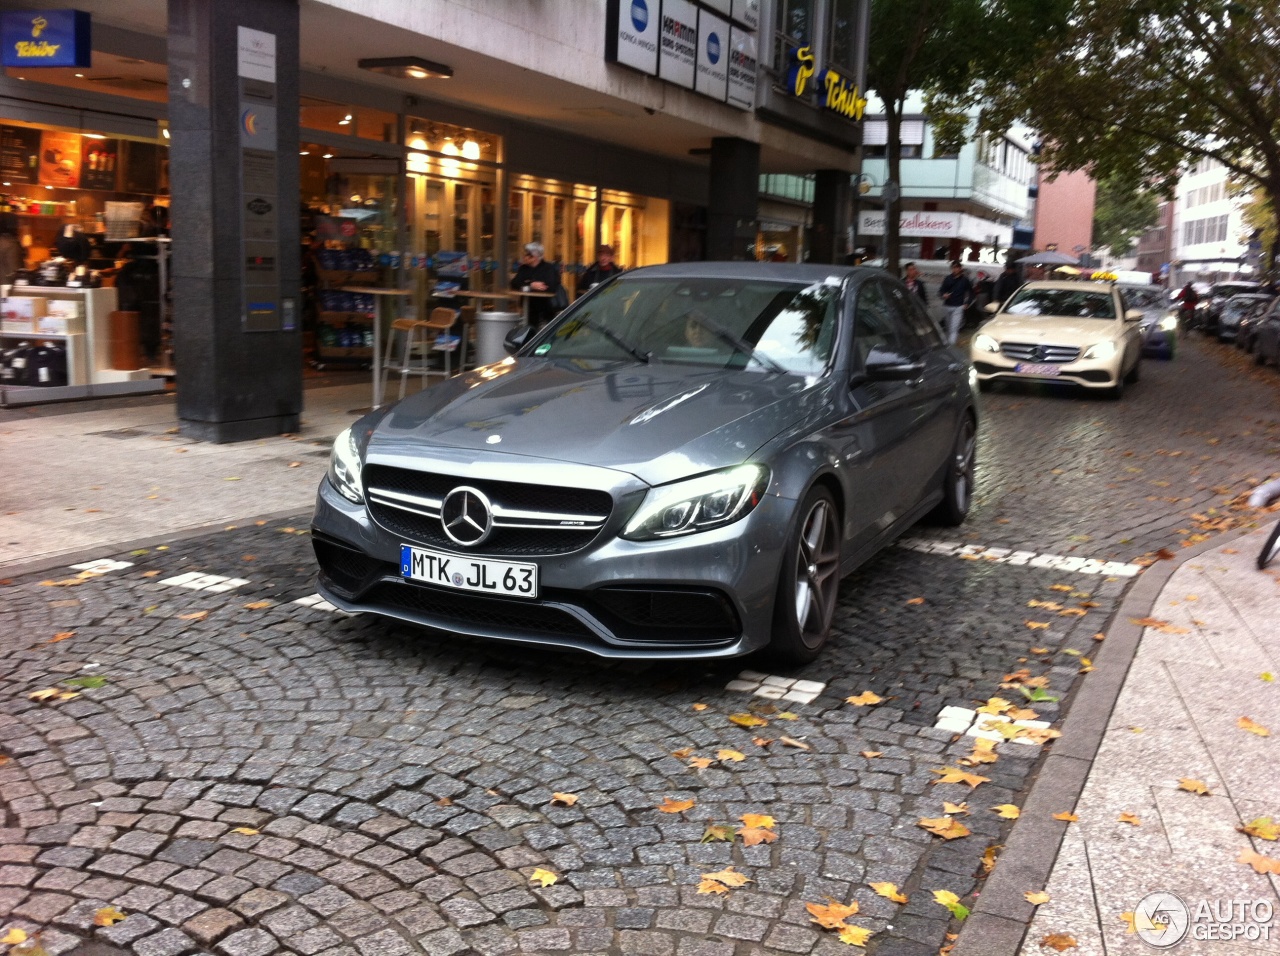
1086,373
702,595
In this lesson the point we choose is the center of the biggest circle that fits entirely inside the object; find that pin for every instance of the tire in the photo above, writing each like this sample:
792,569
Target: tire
957,483
1271,549
808,581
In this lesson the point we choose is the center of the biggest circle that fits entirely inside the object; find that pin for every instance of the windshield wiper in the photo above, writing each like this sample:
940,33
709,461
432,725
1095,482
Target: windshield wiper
616,339
740,345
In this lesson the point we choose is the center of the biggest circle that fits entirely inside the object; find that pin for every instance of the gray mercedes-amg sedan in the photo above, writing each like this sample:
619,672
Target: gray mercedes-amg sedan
683,464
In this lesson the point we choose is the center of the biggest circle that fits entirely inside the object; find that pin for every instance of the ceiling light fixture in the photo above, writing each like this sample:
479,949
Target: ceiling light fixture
406,67
304,152
327,156
345,121
471,149
450,148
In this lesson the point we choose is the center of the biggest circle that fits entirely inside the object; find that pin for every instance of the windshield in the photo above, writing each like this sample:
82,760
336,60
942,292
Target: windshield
1228,289
721,323
1070,303
1144,298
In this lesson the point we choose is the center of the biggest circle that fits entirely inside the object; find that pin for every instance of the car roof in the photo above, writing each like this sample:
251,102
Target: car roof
1070,285
1252,295
768,271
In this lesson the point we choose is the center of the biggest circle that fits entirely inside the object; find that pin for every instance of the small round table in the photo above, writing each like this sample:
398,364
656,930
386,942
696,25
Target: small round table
383,296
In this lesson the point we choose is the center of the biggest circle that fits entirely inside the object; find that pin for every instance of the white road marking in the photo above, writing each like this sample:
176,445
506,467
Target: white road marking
1031,559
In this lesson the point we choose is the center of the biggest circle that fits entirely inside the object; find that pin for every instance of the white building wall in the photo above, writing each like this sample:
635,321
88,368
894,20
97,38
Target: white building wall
1208,224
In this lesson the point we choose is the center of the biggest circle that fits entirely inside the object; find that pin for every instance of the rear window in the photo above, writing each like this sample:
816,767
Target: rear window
1065,303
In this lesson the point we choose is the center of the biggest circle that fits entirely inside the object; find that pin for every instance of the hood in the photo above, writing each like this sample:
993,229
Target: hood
657,422
1052,330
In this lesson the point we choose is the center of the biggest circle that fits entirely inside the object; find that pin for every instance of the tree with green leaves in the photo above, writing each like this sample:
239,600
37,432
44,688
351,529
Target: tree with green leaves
950,50
1123,210
1140,88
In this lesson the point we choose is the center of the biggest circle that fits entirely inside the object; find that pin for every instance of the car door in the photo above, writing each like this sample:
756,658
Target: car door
874,438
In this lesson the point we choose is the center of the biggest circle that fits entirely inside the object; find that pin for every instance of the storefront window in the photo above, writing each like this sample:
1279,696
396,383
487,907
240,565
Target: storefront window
359,121
793,28
844,44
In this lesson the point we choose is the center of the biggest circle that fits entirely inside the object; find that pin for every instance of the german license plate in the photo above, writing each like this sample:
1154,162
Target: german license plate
509,578
1031,368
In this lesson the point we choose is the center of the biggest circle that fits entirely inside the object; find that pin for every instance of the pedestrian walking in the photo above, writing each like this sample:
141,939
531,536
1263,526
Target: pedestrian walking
911,276
956,293
1006,284
603,268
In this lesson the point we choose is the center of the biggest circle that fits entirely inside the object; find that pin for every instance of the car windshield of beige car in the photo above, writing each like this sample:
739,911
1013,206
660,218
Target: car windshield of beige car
1063,303
746,324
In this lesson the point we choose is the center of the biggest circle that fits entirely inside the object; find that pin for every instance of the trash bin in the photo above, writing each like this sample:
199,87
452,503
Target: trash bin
491,329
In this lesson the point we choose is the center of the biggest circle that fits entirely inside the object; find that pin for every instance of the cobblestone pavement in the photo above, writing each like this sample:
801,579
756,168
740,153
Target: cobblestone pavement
245,775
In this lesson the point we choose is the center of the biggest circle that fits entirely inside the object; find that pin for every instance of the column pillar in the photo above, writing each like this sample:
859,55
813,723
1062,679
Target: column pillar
831,210
233,161
732,211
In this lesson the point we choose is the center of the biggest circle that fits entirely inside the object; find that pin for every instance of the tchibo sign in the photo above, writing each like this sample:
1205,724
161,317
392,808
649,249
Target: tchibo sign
708,47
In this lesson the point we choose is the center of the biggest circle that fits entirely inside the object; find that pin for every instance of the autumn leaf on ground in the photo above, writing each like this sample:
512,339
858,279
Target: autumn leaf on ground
47,693
257,605
1066,817
1262,828
1021,713
944,827
792,742
1072,612
544,877
753,836
787,715
675,806
956,775
1061,587
1244,723
730,756
952,902
700,763
1130,819
995,705
1035,899
721,832
831,915
1037,694
1267,676
711,886
1193,786
1040,650
1260,863
916,600
563,799
1007,811
1059,941
761,741
1100,636
91,682
871,754
194,616
13,937
889,891
748,720
1037,735
60,636
1164,627
866,698
699,707
855,935
1037,625
682,752
728,876
1047,605
954,808
245,831
107,916
758,820
1128,920
983,752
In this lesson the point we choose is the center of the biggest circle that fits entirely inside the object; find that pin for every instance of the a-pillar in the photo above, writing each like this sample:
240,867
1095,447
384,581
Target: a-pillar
832,205
233,169
733,196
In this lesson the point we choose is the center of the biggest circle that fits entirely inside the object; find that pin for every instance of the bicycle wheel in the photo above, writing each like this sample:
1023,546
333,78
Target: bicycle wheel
1271,549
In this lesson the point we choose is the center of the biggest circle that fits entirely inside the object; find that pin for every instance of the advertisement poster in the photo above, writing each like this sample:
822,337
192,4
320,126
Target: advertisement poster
99,161
678,43
19,154
140,167
59,158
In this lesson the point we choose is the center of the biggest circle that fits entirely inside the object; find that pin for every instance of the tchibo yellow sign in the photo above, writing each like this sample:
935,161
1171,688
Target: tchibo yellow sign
45,38
835,91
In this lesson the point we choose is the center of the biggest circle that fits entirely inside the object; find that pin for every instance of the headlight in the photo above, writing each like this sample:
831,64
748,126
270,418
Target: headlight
1101,351
698,504
1169,323
985,343
344,467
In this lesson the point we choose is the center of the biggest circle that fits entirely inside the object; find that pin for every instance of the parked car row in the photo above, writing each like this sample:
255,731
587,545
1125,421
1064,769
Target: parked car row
1258,332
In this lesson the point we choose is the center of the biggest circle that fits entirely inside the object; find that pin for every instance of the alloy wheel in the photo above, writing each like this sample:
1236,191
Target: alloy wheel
817,577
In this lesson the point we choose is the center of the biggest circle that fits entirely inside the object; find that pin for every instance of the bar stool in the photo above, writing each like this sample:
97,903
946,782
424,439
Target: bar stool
411,335
440,322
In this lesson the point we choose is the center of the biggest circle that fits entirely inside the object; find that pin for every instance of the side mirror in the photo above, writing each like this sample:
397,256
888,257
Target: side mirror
992,307
1133,315
884,365
516,338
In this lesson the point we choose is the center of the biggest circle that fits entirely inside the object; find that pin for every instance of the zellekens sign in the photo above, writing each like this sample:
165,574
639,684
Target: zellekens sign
34,38
938,224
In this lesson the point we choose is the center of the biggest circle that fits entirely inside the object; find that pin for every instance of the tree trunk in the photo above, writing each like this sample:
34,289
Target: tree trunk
893,149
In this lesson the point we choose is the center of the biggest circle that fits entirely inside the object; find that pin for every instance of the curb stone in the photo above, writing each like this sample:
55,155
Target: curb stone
1001,916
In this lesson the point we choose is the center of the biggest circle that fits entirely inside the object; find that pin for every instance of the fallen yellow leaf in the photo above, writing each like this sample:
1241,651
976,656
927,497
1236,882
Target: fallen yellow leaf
1059,941
728,876
1260,863
1035,899
989,858
831,915
563,799
730,756
866,698
1193,786
787,715
748,720
871,754
13,937
757,820
1037,625
855,935
944,827
945,898
47,693
792,742
995,705
956,775
916,600
1244,723
544,877
711,886
752,836
951,808
699,707
889,891
1130,819
682,752
700,763
107,916
245,831
258,605
1262,828
1066,817
675,806
1007,811
194,616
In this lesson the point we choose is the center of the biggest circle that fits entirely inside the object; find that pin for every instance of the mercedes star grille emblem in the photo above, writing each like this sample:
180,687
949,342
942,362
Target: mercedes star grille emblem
1037,354
467,516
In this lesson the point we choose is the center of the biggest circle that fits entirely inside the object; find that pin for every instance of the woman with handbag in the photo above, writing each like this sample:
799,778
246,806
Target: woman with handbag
537,275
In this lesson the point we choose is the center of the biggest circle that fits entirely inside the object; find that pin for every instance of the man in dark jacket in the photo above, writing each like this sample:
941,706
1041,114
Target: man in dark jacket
956,292
537,275
1006,285
911,276
603,268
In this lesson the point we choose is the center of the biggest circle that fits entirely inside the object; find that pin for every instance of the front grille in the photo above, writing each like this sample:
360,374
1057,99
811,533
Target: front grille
456,607
349,571
406,502
645,614
1036,352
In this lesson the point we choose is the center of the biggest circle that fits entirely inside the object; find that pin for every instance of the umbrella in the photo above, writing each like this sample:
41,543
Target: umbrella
1048,259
